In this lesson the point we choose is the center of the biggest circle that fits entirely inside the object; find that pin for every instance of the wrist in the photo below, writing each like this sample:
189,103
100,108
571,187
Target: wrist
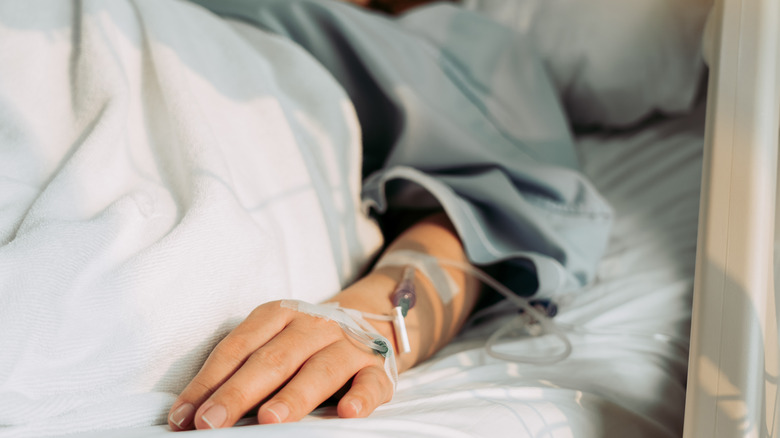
372,294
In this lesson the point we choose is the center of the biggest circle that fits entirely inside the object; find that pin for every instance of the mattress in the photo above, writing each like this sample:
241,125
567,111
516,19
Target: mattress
629,329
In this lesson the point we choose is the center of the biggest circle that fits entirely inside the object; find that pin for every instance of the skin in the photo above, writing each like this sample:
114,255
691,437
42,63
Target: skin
254,366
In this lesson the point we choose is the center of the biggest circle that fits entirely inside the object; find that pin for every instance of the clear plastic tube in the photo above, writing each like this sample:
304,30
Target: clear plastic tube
546,323
425,263
532,318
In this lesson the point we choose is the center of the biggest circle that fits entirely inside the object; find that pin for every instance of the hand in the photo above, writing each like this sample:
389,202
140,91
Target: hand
305,358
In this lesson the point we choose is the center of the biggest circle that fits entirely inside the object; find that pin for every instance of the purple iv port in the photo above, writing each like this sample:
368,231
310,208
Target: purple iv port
405,291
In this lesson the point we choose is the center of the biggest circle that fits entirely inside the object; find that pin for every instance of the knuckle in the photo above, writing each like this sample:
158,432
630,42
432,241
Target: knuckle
234,396
383,384
373,387
265,307
201,388
274,360
323,324
387,389
257,312
327,331
299,403
232,348
329,369
378,361
269,313
371,359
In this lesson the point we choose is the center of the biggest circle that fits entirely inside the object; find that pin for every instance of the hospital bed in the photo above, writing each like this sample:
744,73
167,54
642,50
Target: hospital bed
626,375
631,362
733,364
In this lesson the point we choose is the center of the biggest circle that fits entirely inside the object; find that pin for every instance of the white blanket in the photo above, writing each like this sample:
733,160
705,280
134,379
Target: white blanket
159,178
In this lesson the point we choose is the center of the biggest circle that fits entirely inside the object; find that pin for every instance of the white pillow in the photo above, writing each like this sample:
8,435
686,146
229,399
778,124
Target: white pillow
614,61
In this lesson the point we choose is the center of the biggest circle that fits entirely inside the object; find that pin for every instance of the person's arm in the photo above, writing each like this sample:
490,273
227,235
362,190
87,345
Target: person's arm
289,362
431,324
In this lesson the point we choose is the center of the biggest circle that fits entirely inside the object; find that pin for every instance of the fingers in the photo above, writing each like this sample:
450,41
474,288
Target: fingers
263,354
319,378
257,329
370,388
263,372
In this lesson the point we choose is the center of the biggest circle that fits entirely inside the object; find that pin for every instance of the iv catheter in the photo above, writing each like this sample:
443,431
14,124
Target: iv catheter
403,299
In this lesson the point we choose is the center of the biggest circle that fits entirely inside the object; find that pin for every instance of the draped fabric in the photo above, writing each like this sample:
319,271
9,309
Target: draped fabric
456,112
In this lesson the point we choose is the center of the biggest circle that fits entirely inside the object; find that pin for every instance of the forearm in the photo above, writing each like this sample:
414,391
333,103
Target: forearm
431,324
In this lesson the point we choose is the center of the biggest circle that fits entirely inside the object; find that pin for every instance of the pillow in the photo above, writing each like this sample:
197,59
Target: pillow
614,62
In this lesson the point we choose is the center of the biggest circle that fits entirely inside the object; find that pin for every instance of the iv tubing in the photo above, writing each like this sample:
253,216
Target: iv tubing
543,320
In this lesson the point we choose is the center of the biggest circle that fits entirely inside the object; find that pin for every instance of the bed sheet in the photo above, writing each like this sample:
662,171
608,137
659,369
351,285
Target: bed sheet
138,210
626,375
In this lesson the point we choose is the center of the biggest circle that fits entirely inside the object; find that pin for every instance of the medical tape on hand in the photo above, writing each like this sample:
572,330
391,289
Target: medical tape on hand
428,266
352,322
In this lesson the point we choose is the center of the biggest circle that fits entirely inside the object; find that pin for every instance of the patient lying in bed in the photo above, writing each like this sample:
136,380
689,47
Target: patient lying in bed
211,173
289,362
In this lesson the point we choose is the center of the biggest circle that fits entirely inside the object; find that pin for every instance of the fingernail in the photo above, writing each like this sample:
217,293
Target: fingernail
182,416
357,405
215,416
280,411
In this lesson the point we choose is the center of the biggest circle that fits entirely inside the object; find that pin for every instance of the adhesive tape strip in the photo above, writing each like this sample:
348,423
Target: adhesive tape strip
353,324
428,266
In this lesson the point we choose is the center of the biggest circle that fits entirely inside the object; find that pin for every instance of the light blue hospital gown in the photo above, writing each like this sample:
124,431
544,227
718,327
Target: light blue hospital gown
457,113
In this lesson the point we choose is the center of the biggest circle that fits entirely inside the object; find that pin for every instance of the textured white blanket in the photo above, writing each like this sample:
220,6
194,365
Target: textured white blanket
160,176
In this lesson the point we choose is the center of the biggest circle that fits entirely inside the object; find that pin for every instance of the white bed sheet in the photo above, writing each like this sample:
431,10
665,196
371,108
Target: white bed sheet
626,375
